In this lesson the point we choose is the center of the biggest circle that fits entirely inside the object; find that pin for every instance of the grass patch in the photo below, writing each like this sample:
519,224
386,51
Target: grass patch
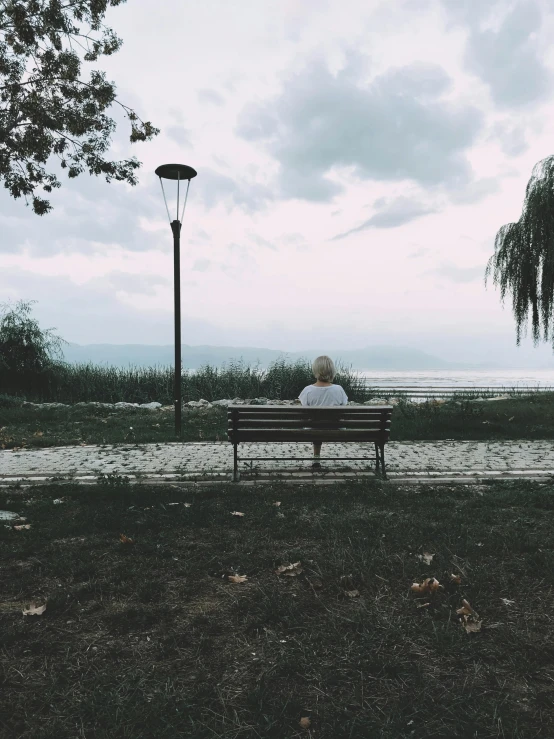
151,640
516,418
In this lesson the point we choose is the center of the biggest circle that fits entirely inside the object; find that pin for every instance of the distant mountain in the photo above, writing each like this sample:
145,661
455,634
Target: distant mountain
193,357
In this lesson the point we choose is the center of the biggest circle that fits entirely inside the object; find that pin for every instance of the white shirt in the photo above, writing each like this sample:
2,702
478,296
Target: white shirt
330,395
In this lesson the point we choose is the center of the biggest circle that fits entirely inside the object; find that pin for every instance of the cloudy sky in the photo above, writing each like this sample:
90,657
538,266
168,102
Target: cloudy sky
355,160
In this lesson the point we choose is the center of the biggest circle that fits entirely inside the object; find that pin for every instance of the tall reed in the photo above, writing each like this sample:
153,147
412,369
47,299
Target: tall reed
72,383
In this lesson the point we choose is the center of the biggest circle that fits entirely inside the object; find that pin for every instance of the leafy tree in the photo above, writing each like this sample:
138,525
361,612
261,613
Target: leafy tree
46,109
523,259
26,350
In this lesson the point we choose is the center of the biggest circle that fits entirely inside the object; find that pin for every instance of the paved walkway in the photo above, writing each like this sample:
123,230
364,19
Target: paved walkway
406,461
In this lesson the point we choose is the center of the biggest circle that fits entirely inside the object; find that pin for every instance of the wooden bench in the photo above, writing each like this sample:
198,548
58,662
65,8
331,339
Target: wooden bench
269,423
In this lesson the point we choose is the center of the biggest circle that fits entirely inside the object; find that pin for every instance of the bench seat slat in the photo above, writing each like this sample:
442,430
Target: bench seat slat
320,417
263,409
310,423
301,416
293,435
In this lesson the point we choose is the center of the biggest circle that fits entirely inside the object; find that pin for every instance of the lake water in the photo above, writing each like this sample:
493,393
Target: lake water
460,378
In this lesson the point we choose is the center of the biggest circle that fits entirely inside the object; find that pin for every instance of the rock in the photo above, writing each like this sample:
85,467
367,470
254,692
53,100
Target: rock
95,404
225,402
154,405
259,401
499,397
52,405
122,404
199,403
376,401
9,516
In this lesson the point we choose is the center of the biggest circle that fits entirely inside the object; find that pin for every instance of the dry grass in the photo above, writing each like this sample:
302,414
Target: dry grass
151,640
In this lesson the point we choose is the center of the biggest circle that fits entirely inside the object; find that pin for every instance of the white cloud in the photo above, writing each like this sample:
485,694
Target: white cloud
298,118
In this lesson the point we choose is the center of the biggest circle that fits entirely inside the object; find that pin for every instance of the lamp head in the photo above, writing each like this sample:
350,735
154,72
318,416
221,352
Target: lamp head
176,172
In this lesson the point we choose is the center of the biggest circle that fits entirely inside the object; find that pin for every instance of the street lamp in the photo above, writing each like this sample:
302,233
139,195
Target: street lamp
179,172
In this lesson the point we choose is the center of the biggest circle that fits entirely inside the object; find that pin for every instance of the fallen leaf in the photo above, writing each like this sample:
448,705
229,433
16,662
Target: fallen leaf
57,501
507,602
472,626
187,505
125,539
423,605
289,570
237,578
511,419
305,723
479,543
236,513
456,578
352,593
434,585
34,610
469,618
426,557
466,609
430,585
38,433
23,526
277,503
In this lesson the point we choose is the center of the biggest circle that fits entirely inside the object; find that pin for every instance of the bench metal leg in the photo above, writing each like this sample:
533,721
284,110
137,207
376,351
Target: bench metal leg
380,460
383,468
236,474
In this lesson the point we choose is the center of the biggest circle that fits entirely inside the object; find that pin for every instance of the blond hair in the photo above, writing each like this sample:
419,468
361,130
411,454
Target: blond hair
323,369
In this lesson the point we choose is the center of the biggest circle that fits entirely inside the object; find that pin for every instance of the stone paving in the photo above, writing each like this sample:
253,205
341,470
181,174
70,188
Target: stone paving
214,460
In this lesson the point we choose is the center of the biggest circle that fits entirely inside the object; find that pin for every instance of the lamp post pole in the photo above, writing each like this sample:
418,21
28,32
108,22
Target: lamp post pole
176,228
179,172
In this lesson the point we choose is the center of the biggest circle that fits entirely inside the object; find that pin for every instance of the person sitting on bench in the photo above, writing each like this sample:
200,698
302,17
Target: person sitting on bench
322,392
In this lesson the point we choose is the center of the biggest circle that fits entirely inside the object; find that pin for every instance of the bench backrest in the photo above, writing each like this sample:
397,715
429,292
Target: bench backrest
324,423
